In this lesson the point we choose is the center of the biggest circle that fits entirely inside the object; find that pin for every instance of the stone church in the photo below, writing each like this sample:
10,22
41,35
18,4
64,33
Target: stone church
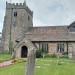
18,30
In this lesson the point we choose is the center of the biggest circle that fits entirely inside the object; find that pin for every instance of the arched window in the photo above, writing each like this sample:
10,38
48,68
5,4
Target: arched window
14,19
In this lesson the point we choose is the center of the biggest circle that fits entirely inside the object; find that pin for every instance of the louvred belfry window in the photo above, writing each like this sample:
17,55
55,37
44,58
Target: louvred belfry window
15,14
15,18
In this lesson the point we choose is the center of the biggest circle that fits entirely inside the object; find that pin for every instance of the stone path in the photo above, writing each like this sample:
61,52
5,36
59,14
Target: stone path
6,63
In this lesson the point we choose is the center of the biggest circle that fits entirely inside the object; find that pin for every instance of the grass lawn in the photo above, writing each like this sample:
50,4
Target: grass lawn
4,57
17,69
48,66
51,67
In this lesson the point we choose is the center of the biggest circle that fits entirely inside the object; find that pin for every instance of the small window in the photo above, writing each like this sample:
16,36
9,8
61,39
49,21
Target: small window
15,14
60,48
28,17
45,47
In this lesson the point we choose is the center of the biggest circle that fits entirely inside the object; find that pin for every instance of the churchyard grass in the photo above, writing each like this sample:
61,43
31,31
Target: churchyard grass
46,66
55,67
16,69
4,57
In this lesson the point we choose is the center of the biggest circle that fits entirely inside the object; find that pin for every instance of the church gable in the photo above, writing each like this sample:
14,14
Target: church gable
26,42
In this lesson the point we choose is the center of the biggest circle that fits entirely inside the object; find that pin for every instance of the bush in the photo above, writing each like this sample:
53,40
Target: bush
38,53
65,53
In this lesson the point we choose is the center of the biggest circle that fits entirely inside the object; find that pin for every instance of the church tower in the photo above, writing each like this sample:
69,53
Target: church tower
18,20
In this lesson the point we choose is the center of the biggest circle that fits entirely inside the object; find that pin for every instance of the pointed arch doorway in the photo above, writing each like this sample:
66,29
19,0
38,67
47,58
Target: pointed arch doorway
24,51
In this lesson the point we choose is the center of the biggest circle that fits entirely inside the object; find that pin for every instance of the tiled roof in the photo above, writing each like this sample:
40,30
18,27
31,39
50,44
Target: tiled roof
51,33
47,30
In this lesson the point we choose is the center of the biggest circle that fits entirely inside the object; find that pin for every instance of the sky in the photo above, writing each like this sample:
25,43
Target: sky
45,12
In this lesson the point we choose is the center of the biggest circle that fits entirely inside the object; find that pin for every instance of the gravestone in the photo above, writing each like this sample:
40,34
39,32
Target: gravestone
30,58
30,63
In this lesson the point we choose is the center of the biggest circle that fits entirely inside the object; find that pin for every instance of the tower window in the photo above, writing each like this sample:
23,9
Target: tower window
15,14
28,17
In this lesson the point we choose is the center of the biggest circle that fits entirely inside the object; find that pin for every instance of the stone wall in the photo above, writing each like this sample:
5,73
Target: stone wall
25,42
15,26
71,50
52,48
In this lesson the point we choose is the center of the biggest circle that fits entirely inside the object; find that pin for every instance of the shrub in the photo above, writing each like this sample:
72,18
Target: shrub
38,53
41,53
65,53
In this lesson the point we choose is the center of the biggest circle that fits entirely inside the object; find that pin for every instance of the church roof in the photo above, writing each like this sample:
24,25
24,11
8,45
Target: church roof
72,24
47,30
51,33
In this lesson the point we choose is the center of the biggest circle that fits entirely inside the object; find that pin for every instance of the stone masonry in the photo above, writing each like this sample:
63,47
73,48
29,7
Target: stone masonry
18,26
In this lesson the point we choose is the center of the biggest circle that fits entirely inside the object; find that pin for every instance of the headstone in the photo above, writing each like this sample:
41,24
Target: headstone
30,62
70,55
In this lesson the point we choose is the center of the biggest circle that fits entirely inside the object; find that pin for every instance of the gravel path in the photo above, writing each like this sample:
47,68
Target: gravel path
6,63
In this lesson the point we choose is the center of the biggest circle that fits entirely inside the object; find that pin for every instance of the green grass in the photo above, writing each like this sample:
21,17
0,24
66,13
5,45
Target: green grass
51,67
47,66
4,57
17,69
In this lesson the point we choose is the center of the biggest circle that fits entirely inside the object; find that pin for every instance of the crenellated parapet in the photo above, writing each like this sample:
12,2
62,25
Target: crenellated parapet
19,6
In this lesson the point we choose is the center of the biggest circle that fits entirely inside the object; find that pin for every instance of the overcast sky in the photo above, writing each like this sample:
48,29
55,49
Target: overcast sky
46,12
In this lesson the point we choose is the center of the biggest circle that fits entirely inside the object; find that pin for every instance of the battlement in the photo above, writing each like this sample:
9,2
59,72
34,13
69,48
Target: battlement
18,6
15,5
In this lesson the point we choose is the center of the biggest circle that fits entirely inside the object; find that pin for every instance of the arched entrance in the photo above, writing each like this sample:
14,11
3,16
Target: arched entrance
24,52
